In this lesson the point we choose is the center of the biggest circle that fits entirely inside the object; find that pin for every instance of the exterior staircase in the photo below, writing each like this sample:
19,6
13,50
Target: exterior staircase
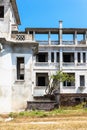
41,105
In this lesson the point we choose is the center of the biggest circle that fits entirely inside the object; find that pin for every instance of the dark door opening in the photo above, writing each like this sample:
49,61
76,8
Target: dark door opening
41,81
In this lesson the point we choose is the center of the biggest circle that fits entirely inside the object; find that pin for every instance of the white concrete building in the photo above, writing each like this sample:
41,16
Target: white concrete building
29,58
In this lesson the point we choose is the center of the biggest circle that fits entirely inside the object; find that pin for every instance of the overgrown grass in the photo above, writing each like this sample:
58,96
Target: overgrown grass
77,110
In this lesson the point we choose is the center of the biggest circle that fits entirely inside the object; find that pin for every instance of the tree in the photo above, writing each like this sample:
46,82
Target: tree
54,84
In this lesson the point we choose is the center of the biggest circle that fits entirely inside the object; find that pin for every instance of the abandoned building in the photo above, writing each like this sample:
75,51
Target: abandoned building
29,58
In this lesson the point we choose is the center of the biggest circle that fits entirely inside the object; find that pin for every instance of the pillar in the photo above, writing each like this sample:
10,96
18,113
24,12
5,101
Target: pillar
76,58
49,38
86,57
86,37
60,32
75,38
81,57
49,57
61,58
33,35
55,57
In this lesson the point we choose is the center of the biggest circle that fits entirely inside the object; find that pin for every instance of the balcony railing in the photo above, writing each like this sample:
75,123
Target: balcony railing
41,64
54,42
82,42
68,42
43,42
68,63
81,64
21,37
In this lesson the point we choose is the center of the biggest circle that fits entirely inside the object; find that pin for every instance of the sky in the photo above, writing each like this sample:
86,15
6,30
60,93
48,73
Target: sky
47,13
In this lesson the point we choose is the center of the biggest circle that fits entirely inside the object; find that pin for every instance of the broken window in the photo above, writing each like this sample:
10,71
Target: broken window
69,83
52,57
20,68
1,11
82,80
42,57
68,57
41,79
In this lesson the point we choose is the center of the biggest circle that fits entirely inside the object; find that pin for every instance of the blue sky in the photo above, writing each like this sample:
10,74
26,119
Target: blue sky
47,13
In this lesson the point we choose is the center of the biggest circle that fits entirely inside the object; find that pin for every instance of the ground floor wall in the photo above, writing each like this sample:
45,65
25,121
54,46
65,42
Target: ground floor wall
72,99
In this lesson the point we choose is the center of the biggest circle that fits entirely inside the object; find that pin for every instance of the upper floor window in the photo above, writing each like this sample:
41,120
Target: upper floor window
52,57
20,68
1,11
42,57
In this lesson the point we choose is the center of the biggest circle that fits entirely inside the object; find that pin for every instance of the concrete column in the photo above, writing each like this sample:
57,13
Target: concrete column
49,57
55,57
49,38
33,35
86,57
75,38
61,58
28,32
81,54
60,32
86,37
75,58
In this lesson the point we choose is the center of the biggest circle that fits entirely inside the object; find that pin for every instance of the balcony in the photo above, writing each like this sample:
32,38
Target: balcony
48,42
55,42
46,65
21,37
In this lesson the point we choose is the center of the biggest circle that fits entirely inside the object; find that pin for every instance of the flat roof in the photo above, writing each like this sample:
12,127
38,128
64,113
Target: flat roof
56,30
14,6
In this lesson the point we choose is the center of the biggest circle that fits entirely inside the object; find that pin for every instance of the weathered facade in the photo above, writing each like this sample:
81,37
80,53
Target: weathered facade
29,58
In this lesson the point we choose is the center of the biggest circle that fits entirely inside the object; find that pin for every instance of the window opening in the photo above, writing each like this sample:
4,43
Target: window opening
20,68
41,79
57,55
52,57
71,83
84,57
1,11
42,57
68,57
82,80
79,57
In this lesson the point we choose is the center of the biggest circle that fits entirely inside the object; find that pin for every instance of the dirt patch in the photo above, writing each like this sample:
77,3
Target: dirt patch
50,123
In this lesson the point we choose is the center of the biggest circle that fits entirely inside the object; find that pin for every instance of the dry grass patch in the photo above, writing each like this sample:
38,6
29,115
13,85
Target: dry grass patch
54,123
59,119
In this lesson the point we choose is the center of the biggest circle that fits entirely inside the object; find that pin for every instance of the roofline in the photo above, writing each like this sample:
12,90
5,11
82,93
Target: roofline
56,30
14,6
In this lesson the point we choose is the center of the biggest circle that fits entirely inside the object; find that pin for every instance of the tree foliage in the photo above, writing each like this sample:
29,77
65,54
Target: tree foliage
55,79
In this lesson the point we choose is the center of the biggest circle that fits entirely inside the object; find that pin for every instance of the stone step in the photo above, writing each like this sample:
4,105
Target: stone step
43,105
